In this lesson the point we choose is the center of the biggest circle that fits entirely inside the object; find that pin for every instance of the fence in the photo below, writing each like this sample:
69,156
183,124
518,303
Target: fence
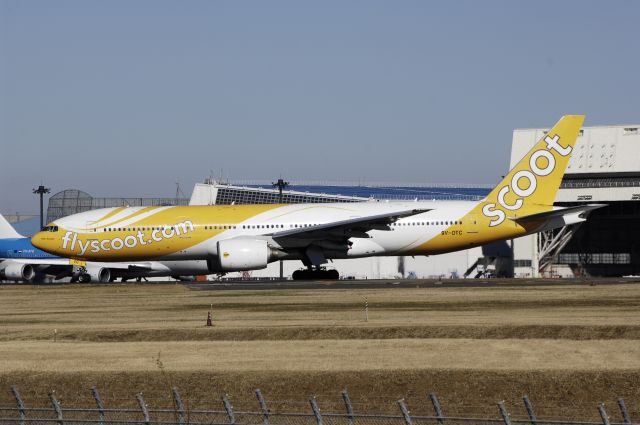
179,415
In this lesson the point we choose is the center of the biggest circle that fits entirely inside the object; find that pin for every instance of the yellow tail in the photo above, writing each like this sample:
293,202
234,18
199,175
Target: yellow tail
531,186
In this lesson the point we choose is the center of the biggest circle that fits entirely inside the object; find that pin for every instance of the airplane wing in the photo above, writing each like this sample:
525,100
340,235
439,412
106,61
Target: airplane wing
344,229
41,262
557,213
61,262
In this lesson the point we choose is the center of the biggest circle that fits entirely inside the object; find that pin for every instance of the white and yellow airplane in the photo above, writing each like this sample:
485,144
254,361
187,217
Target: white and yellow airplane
248,237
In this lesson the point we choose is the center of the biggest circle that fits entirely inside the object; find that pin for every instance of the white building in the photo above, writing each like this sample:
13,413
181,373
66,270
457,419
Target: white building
604,169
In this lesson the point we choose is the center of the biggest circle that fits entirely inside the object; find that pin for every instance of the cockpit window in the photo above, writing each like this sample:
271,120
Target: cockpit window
50,229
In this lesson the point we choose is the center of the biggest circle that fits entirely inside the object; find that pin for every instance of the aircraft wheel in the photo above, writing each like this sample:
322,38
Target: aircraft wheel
321,274
333,274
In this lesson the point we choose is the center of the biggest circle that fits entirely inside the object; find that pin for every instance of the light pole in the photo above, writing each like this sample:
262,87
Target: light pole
41,190
281,185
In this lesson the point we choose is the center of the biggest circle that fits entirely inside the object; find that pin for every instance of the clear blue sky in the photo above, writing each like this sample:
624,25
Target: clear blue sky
123,98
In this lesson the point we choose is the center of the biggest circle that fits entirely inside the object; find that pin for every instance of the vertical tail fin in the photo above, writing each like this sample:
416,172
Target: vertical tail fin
6,229
531,186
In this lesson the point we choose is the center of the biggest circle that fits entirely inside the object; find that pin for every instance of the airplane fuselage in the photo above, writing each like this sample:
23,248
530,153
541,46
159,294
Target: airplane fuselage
21,248
192,233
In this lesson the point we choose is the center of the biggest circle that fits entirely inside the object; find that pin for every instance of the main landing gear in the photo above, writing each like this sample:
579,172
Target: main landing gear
315,273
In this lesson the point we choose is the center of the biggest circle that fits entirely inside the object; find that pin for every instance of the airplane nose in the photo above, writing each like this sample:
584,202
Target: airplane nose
37,240
45,241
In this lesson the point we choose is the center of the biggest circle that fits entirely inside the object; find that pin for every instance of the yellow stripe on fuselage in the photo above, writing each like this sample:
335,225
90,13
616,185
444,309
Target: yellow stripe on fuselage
120,220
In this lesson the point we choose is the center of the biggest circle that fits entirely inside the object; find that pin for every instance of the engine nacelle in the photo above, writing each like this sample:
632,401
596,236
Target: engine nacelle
243,254
18,271
99,274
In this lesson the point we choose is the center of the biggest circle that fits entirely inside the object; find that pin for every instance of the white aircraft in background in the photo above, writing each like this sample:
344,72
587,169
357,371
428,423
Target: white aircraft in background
21,261
247,237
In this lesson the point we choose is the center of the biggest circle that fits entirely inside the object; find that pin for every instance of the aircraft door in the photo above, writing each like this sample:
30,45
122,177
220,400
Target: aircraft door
472,225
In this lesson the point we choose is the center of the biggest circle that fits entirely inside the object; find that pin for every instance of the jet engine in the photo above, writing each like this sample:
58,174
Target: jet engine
243,254
97,274
18,271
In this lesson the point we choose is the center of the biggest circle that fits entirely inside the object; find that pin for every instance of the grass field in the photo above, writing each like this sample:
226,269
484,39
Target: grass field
567,346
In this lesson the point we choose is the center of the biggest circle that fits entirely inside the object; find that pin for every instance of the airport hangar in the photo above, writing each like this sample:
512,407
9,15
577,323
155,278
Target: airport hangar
604,169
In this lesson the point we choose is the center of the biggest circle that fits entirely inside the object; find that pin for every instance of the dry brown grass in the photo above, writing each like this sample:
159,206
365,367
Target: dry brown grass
472,345
321,356
572,332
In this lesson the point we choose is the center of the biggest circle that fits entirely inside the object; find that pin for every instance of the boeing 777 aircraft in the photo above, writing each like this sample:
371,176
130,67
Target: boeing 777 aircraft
248,237
21,261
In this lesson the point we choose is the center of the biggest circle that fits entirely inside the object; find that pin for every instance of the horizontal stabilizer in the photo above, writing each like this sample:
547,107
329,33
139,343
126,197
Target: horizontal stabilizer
557,213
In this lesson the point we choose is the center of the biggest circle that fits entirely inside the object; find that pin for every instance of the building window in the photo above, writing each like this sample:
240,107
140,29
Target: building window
622,258
521,263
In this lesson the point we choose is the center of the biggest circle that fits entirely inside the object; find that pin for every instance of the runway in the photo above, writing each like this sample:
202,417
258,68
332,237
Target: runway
400,283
